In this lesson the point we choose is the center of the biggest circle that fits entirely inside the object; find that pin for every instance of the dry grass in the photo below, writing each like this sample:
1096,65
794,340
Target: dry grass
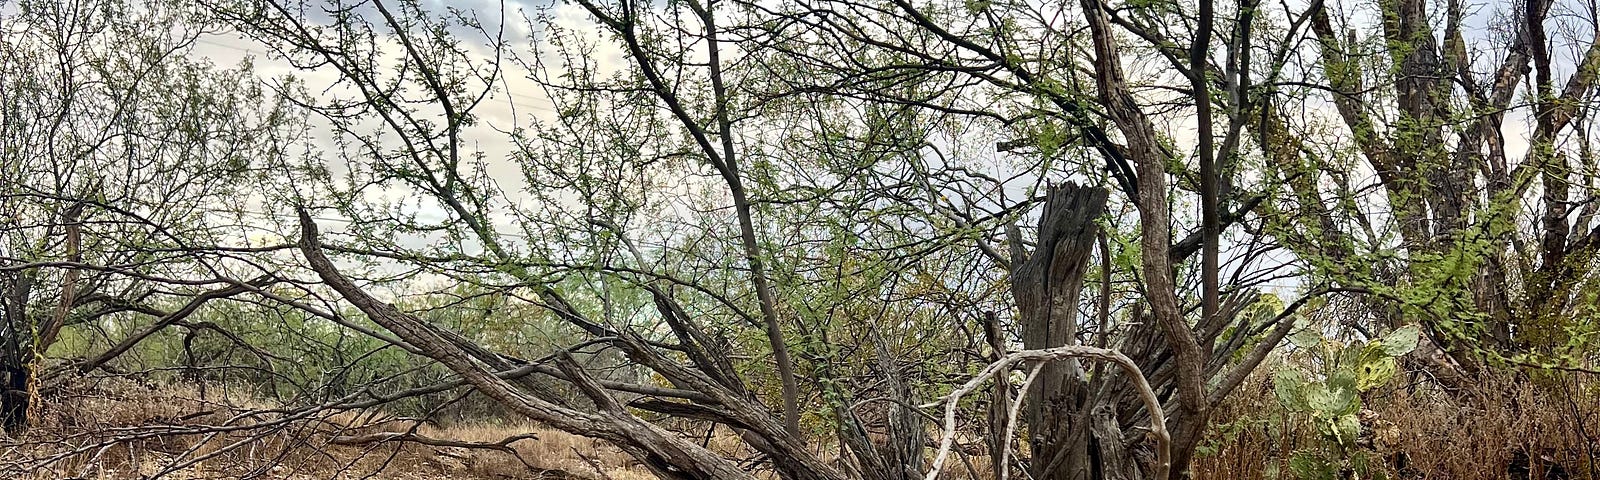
95,432
553,451
105,432
1530,430
1543,430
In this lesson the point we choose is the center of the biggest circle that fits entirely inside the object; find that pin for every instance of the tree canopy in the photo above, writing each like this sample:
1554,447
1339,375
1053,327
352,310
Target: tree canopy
1059,235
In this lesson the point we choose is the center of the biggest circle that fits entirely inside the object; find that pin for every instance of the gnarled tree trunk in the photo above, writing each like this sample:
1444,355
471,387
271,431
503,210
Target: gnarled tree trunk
1046,284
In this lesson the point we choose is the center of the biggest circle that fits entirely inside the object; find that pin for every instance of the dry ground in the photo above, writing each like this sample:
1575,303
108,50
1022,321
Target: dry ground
117,429
107,431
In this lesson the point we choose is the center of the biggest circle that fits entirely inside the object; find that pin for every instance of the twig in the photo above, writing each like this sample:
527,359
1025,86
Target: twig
503,445
592,464
1011,422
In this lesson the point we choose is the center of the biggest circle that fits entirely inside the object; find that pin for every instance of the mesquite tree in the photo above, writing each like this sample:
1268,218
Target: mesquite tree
1478,141
847,204
114,162
1063,89
770,207
808,224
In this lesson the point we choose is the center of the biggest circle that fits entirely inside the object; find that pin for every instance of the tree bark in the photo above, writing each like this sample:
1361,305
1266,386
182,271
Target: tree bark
1144,148
1046,285
664,453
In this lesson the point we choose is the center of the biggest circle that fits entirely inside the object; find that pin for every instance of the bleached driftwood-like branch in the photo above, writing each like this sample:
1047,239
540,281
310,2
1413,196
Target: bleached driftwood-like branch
1158,420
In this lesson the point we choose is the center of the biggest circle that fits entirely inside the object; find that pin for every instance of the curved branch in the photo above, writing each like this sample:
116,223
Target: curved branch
1158,420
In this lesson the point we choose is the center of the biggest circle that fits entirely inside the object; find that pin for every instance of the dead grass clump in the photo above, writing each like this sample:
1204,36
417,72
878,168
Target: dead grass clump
117,429
1500,429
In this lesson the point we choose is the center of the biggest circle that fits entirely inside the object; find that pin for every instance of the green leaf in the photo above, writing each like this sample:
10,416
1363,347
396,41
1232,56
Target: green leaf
1288,387
1306,338
1402,340
1344,379
1351,355
1346,429
1335,397
1311,466
1367,467
1374,370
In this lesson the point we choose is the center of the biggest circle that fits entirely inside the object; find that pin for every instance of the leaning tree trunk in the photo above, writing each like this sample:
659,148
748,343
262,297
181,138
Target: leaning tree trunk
15,354
14,394
1046,285
24,337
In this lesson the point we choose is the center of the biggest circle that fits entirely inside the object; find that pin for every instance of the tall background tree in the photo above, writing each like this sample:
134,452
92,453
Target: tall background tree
1485,227
116,170
659,166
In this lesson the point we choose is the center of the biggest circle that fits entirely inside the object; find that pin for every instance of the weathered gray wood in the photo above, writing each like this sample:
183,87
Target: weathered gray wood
1046,284
1000,401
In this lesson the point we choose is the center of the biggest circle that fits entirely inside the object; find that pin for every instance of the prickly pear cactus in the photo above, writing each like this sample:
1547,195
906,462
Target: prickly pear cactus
1332,398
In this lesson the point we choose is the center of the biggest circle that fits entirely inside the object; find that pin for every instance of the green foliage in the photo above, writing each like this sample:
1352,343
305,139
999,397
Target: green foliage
1332,397
1310,466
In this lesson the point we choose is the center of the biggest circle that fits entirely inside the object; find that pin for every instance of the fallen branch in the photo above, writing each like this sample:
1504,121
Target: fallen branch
1158,420
503,445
